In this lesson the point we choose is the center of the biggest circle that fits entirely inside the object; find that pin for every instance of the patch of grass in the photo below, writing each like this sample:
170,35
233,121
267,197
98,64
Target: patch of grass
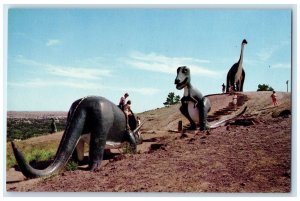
10,161
128,149
27,128
38,152
71,166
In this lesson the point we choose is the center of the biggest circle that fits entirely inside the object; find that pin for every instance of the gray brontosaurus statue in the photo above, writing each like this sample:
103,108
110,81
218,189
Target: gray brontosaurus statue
236,74
194,106
96,116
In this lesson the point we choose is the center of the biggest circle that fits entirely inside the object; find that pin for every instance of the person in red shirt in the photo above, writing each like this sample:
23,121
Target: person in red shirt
274,99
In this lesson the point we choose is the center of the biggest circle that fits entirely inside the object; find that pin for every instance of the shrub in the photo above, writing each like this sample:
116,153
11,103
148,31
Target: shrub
264,87
172,99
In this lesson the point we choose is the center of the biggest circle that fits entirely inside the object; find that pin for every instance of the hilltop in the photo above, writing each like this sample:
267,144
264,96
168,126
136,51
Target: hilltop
258,104
250,154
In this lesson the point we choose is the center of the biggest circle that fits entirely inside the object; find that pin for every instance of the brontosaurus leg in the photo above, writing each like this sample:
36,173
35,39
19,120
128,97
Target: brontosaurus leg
238,83
184,110
97,145
242,81
101,124
202,115
78,154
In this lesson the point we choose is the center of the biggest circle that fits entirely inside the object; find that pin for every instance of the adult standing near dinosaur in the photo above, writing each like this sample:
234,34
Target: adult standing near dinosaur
236,74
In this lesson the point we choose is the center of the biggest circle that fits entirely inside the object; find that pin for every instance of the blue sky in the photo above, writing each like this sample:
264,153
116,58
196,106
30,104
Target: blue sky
56,56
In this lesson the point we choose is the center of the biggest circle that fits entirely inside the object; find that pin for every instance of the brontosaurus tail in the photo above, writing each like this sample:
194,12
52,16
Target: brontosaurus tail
30,172
61,158
25,168
67,145
63,154
221,123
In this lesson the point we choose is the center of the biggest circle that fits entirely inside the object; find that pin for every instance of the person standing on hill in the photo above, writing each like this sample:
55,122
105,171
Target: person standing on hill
223,88
234,101
138,121
274,98
53,126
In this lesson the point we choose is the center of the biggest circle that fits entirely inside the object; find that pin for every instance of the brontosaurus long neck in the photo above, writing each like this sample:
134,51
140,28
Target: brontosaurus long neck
241,56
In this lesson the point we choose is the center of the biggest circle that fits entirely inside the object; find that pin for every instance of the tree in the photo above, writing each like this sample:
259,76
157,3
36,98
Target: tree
172,99
264,87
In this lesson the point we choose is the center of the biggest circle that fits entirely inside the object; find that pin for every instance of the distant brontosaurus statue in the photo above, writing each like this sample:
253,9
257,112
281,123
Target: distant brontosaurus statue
236,74
94,118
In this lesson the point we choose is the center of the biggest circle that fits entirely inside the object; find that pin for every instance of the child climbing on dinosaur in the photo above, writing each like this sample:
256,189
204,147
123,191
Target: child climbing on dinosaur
128,112
122,101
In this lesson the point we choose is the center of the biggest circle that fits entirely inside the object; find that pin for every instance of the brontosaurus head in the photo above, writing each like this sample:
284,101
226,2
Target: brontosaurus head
183,77
244,42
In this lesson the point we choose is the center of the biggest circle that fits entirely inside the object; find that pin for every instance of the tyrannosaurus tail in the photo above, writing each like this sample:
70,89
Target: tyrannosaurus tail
221,123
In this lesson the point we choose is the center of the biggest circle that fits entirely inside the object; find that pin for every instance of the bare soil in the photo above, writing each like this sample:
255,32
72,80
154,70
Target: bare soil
250,154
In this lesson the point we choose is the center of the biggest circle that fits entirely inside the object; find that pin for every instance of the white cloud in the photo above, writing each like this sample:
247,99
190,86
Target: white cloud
52,42
82,73
281,65
164,59
160,63
267,52
23,60
37,83
72,75
143,91
66,71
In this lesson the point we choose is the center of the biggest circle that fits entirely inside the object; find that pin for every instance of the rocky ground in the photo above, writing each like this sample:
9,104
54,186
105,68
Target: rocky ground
249,154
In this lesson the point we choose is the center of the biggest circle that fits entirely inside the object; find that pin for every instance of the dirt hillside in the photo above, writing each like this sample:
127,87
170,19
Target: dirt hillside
249,154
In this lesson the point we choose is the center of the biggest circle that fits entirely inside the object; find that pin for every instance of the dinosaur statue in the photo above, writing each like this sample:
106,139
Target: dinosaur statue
236,74
195,106
105,123
78,154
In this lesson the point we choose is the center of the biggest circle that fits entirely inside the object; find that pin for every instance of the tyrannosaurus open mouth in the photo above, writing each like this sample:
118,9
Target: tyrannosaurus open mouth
182,84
